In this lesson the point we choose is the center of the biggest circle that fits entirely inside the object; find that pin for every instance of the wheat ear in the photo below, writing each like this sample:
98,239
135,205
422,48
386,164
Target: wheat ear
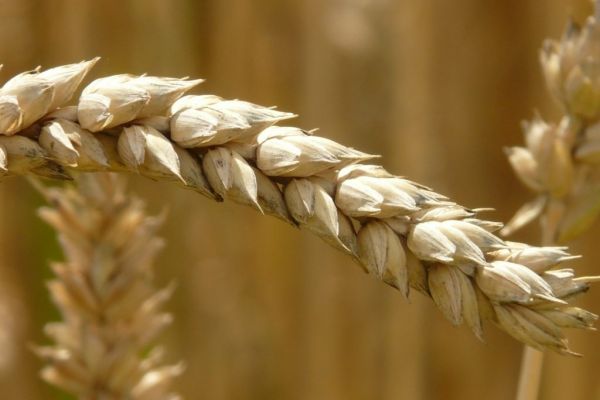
400,231
111,311
560,162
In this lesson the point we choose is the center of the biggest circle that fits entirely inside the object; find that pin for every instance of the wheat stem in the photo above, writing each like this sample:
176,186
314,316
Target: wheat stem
532,360
530,374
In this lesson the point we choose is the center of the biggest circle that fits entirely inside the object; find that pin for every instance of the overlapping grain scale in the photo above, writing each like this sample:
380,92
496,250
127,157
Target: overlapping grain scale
292,152
506,282
532,328
454,294
538,259
146,150
232,177
571,317
70,145
29,96
111,311
22,154
370,191
400,231
140,149
203,121
564,283
311,206
383,253
119,99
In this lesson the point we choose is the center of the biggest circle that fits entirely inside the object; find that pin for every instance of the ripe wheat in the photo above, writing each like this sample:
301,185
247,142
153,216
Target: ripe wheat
400,231
111,310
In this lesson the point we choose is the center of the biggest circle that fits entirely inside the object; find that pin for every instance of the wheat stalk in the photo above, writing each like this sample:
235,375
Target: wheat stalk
399,231
560,162
111,310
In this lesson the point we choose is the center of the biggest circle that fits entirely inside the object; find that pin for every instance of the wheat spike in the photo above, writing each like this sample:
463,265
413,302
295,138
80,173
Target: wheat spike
398,230
111,310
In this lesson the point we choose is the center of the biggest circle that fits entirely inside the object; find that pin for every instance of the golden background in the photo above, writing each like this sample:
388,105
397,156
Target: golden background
263,311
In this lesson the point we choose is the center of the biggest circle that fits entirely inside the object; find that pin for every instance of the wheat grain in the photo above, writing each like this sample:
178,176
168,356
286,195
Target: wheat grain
398,230
111,310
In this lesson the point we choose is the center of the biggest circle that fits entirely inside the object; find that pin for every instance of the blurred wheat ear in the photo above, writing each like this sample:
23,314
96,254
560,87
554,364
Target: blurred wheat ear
560,161
111,310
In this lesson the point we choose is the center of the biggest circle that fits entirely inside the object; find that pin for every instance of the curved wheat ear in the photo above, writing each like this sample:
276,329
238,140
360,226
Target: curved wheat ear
400,231
111,310
561,162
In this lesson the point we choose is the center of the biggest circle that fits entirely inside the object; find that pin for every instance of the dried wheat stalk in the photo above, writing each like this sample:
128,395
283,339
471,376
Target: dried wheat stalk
111,310
400,231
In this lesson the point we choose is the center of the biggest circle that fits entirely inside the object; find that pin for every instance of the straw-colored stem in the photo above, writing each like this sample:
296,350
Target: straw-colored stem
531,374
532,361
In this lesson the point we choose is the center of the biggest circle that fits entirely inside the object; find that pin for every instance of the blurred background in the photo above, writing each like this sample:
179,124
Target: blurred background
263,311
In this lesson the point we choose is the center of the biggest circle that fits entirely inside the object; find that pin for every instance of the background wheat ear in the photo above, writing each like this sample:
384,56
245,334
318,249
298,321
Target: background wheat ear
111,311
560,162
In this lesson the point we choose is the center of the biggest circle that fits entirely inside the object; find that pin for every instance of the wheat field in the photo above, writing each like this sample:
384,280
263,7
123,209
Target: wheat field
265,311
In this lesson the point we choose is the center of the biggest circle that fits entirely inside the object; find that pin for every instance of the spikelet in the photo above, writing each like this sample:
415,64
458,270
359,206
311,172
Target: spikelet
29,96
231,176
203,121
532,328
313,209
382,252
292,152
115,100
372,192
571,317
143,147
70,145
538,259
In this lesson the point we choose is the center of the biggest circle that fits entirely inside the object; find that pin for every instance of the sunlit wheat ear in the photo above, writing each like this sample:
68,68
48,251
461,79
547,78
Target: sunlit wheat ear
399,231
560,162
111,311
